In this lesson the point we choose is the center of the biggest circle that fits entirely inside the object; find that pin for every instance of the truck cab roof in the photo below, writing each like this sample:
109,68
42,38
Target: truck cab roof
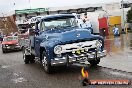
50,17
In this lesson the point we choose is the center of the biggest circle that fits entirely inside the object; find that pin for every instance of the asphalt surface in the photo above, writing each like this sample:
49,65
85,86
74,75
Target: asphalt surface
119,53
15,74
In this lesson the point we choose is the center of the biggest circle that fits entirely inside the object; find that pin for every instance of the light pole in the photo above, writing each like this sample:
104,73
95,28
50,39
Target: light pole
14,4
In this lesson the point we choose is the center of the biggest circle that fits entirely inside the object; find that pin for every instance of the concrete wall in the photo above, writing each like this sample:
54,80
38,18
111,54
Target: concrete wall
111,6
93,17
119,12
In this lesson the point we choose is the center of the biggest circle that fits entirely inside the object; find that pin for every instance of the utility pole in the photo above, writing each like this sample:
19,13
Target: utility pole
14,4
29,4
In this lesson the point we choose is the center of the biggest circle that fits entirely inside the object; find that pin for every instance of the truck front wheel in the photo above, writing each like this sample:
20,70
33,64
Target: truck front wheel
3,50
46,63
94,62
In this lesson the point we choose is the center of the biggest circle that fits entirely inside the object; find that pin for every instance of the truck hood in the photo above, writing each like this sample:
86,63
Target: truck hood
67,36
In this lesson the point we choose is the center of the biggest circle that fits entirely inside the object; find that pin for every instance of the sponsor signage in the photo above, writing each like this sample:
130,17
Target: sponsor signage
31,10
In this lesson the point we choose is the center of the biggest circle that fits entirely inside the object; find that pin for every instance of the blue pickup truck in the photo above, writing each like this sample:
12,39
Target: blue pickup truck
57,40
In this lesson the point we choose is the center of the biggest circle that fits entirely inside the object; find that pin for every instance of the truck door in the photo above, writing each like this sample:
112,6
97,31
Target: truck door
37,40
37,46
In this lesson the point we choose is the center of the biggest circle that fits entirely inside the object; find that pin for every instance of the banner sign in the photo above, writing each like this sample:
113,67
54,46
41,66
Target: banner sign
115,20
31,10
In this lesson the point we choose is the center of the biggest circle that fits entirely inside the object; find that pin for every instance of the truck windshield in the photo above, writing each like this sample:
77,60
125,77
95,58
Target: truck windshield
59,23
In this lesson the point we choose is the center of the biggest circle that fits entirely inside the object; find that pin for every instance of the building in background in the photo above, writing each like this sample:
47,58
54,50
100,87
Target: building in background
22,16
95,12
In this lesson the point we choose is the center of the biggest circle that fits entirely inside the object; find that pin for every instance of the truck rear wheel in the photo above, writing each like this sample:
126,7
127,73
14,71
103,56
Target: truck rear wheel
28,58
32,57
94,62
46,63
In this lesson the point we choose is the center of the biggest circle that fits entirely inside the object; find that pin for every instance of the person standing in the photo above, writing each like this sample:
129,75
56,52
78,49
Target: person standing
116,31
87,24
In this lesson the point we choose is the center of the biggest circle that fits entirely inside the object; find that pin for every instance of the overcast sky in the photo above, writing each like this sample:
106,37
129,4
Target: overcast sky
7,6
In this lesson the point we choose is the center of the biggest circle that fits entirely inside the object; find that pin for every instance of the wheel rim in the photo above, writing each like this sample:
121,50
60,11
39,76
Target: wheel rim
45,63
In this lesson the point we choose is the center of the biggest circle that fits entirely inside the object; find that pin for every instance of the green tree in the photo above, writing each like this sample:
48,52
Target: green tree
129,16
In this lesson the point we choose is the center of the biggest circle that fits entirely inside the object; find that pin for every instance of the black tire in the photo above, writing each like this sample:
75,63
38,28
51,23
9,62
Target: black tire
32,57
46,63
3,50
94,62
26,58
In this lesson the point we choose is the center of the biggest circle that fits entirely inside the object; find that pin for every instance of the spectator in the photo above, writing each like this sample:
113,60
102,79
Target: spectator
116,31
87,24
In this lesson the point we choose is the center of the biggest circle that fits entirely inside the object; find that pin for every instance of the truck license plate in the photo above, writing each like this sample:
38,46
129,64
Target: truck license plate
79,51
82,58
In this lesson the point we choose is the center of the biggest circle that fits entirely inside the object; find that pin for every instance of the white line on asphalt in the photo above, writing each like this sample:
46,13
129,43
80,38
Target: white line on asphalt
18,80
121,74
7,66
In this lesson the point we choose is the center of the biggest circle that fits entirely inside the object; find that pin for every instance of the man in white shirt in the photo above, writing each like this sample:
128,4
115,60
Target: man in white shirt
87,24
116,31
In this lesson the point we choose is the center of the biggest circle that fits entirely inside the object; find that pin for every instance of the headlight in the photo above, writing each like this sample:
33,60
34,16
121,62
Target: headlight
6,45
86,49
57,49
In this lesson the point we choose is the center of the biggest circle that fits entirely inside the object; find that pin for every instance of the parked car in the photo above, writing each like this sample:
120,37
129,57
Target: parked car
60,41
10,43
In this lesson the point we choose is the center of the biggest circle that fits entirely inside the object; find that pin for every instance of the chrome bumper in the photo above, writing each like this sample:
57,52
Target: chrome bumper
73,58
12,47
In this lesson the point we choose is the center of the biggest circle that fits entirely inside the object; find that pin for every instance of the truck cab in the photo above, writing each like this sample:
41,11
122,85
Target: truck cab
57,40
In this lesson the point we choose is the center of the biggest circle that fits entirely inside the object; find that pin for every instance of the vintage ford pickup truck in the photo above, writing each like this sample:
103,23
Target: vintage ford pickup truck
57,40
